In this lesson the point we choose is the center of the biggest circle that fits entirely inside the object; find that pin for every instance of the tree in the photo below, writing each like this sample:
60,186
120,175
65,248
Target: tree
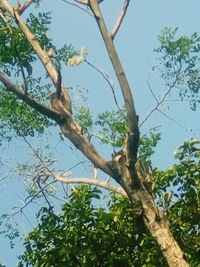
22,43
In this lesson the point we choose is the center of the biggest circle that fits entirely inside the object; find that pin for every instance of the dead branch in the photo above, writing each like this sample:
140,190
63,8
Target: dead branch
83,2
169,118
65,177
38,156
156,107
120,19
91,181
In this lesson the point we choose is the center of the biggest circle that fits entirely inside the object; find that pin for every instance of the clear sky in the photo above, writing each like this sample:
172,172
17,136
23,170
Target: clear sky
135,43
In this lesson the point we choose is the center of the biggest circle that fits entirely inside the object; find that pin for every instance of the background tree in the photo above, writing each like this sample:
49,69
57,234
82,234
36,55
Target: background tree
132,175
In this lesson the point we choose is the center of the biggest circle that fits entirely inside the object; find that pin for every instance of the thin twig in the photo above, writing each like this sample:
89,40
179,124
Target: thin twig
29,221
156,107
83,2
45,197
64,190
120,19
111,84
151,90
38,156
32,198
162,99
168,117
78,6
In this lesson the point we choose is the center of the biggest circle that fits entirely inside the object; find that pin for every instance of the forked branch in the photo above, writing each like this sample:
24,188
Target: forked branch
132,122
24,6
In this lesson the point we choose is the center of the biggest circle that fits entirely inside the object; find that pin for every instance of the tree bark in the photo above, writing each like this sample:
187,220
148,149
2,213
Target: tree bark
158,225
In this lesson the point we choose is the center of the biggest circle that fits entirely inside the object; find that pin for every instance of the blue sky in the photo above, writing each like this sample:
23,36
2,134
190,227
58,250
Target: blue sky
135,43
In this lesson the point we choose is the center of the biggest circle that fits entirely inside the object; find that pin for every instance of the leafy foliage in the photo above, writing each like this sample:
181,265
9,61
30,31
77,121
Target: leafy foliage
84,119
184,211
65,53
16,115
16,51
83,234
148,142
113,128
180,64
16,58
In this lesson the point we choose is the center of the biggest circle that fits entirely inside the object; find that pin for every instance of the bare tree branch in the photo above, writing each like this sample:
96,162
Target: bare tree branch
156,107
132,122
65,177
104,184
120,19
83,2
